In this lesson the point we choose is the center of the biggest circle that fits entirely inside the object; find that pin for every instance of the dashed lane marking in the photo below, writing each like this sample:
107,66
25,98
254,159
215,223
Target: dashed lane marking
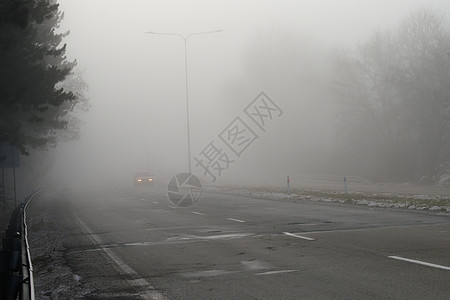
420,262
276,272
236,220
176,227
299,236
197,213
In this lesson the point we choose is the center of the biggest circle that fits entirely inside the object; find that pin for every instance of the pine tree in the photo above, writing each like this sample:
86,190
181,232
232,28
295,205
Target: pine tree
33,68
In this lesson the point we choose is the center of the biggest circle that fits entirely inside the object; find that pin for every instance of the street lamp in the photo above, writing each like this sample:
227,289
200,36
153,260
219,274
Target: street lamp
185,38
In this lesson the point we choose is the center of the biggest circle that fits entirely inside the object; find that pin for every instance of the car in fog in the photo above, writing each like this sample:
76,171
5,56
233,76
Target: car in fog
143,178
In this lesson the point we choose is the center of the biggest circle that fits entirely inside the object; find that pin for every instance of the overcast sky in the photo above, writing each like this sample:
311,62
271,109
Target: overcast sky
137,80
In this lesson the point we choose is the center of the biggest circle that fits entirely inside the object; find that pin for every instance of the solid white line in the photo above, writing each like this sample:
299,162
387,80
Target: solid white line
420,262
155,202
197,213
299,236
226,236
174,207
275,272
120,265
235,220
176,227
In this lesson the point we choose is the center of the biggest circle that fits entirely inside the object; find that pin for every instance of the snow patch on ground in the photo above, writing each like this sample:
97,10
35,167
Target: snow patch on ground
381,200
444,180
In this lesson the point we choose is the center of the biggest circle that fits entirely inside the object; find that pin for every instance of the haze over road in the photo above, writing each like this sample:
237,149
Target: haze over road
131,244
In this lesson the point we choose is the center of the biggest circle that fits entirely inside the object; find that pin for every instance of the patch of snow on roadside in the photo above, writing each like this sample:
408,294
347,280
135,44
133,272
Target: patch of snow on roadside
384,200
435,208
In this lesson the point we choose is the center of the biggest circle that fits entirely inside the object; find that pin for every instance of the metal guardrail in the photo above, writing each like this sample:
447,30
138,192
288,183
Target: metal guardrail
27,291
16,270
326,178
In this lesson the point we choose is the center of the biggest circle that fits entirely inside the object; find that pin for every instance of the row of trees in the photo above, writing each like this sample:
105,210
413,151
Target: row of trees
380,110
394,99
38,89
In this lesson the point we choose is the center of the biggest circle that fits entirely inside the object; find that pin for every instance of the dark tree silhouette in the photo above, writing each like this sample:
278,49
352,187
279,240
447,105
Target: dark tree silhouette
34,104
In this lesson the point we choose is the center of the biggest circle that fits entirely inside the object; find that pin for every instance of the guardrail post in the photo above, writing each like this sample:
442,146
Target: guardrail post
288,186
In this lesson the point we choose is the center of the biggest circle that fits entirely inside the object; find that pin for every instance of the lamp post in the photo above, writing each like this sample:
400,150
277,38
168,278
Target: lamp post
185,38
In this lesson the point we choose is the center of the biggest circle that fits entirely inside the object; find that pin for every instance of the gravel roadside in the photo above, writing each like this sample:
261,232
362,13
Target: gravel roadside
53,279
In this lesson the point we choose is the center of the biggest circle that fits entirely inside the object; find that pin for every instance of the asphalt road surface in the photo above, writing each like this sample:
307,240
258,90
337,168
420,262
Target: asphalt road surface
131,243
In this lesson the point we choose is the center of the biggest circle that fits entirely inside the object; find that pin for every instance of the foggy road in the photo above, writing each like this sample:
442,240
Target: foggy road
290,113
132,244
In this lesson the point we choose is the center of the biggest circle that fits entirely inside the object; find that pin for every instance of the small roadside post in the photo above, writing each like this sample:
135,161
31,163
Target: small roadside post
345,184
288,186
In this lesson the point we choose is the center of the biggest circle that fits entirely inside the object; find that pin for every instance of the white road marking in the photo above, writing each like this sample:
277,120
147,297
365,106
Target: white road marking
120,265
190,239
420,262
155,202
210,237
177,227
235,220
116,295
298,236
359,229
208,273
276,272
174,207
197,213
226,236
